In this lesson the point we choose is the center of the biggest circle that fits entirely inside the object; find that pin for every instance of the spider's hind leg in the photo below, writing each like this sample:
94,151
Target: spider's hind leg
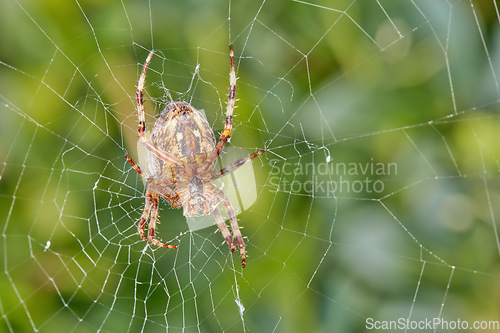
223,229
152,224
231,215
144,216
151,208
234,226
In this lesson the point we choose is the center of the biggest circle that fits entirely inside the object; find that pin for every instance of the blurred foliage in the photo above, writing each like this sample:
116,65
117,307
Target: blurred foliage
316,87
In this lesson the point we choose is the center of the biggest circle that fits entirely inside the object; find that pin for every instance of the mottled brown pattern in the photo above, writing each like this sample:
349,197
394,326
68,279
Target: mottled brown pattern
182,154
184,134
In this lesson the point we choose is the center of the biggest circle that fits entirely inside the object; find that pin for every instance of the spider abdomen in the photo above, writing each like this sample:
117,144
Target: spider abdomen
183,132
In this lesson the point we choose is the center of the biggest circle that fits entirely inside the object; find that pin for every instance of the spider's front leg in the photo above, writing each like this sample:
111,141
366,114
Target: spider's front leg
231,99
169,159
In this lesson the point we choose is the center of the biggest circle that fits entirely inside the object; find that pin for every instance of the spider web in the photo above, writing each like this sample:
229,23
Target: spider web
377,199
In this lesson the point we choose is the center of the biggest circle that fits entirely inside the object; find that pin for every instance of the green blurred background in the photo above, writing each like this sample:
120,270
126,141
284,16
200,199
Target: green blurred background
321,84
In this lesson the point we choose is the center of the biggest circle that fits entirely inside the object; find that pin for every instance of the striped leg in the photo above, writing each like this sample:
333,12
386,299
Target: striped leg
171,196
142,119
234,165
226,134
144,217
138,169
152,200
234,223
235,228
223,229
151,208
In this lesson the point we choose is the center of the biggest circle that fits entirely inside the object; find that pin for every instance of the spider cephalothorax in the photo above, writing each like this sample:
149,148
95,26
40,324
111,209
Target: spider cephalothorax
181,155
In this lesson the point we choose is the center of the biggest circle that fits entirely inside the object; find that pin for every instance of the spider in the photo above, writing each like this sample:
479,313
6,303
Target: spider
181,155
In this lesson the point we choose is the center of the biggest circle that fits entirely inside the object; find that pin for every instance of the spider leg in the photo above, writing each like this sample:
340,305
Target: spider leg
235,228
226,134
142,119
153,199
171,196
175,198
145,216
172,200
223,229
138,169
234,223
135,166
234,165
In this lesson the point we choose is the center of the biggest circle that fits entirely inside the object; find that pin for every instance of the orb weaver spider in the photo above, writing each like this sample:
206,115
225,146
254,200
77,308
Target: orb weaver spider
182,153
